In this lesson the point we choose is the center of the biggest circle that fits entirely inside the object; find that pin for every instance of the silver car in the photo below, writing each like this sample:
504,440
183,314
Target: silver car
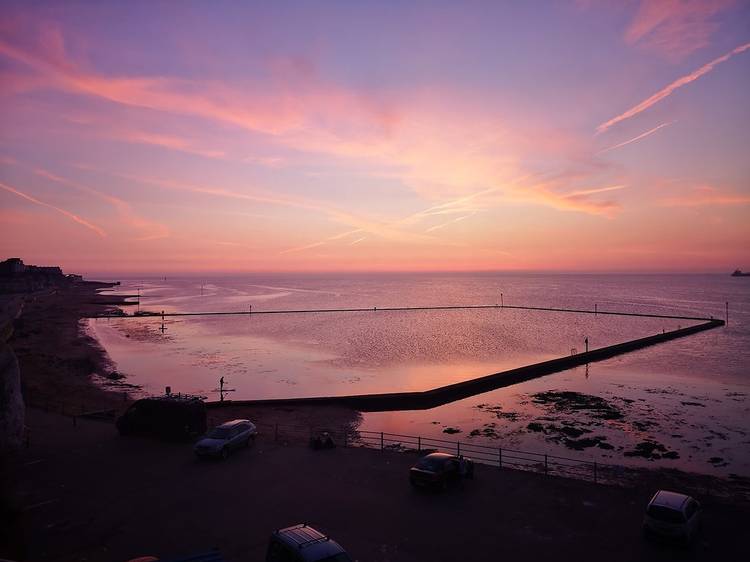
223,439
672,515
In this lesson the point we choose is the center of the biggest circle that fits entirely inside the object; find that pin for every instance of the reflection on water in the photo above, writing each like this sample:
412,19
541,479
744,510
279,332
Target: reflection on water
267,356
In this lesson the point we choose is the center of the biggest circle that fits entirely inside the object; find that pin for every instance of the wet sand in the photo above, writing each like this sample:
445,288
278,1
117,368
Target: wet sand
57,359
65,370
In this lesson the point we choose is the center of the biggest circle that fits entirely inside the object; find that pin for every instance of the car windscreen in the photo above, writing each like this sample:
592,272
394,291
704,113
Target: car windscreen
431,464
665,514
219,433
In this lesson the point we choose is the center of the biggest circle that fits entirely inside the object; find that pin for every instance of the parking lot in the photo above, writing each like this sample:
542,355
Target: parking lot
88,494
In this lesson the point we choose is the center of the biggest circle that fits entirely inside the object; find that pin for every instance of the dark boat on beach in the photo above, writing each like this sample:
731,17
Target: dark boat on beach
738,273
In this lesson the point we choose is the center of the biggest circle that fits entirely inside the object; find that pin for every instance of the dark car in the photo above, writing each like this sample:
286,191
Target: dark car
172,416
302,543
439,470
222,440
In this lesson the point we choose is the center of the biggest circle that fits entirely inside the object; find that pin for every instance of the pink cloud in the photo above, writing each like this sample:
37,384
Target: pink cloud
706,195
149,230
675,28
284,104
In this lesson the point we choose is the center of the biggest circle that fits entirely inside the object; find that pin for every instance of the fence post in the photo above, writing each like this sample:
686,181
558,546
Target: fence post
419,443
382,445
594,472
545,464
500,457
458,448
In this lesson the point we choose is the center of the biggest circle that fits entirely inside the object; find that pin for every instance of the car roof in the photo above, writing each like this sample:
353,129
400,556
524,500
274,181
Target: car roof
307,540
671,500
440,456
233,423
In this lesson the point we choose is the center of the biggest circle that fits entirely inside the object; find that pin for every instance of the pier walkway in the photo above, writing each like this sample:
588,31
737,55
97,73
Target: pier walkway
251,312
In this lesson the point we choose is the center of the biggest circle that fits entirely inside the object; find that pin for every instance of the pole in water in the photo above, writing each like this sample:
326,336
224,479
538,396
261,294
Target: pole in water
221,390
501,300
726,308
596,308
162,322
586,341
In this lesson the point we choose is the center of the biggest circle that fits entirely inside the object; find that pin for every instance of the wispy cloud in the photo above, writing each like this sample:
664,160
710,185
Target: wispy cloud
167,141
639,137
706,195
296,103
663,93
68,214
150,230
675,28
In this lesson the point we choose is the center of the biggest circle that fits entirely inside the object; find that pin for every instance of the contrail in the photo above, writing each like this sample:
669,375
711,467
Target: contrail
661,94
639,137
68,214
444,224
584,192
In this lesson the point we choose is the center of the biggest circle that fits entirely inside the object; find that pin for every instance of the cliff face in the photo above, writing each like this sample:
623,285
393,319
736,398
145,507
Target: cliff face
11,399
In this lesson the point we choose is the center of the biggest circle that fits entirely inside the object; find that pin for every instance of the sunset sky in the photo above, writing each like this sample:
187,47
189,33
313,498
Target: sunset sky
321,136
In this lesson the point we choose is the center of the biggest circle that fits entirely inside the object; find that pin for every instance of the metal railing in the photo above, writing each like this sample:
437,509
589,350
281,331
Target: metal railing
501,457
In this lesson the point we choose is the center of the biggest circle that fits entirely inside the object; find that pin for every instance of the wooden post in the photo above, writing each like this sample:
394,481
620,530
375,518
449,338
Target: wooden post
419,443
502,303
458,448
726,313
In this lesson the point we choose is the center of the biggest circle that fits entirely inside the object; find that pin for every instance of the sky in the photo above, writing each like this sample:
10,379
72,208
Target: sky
163,137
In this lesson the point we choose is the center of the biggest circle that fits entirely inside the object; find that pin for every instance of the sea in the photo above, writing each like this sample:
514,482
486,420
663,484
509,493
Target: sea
682,404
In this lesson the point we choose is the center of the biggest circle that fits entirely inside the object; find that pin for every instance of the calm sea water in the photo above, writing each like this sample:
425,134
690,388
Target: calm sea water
689,396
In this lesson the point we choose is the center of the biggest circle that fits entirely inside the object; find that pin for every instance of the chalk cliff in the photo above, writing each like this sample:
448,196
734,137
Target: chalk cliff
11,399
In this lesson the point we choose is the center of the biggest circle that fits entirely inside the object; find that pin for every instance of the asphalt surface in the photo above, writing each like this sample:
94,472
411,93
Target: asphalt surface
84,493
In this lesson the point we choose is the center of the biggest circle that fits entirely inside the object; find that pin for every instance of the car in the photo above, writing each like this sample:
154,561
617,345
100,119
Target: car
172,416
302,543
225,438
672,515
439,470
